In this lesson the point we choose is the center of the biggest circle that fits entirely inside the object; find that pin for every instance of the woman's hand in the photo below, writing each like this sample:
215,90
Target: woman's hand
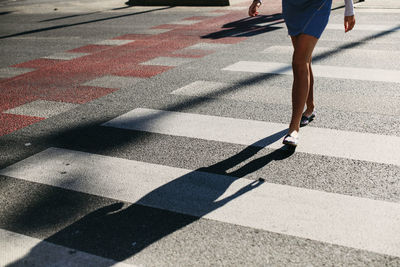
349,22
253,8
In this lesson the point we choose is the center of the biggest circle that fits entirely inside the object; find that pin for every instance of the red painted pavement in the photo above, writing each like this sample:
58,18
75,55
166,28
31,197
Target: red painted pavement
61,80
38,63
10,122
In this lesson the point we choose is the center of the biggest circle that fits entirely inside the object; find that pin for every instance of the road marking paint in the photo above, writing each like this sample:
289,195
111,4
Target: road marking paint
66,55
113,81
355,222
42,108
114,42
366,27
262,93
278,24
167,61
339,72
22,250
213,14
209,46
327,142
149,31
377,10
12,72
323,50
10,122
185,22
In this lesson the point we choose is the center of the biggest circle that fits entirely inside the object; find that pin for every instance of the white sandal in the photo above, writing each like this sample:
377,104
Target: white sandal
290,140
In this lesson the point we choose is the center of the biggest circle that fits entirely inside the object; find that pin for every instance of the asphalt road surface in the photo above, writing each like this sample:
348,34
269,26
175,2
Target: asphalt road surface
152,136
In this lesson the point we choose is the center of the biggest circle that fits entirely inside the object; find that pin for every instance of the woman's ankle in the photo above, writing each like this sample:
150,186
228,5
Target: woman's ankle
309,110
294,129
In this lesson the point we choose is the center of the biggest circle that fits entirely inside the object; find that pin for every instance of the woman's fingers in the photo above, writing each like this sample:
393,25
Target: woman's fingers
253,9
349,22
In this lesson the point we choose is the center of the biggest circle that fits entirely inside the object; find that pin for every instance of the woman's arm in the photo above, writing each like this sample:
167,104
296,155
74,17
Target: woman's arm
349,20
348,8
253,8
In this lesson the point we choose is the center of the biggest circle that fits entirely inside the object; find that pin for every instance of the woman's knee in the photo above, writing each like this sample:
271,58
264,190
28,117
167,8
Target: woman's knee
300,67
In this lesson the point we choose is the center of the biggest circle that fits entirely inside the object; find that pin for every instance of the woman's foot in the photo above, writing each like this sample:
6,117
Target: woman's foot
307,117
291,139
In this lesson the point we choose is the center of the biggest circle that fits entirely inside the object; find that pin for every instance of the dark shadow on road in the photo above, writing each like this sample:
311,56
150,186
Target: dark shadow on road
71,16
115,233
5,13
248,27
120,228
201,3
81,23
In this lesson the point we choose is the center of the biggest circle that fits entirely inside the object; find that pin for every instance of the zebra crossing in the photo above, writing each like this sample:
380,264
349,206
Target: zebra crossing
224,195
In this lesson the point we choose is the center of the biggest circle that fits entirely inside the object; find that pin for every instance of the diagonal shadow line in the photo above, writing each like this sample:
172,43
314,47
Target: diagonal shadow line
71,16
81,23
355,44
262,77
247,27
248,167
81,15
70,134
202,191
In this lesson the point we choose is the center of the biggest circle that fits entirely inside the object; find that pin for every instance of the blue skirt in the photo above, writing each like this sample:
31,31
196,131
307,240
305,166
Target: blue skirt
306,16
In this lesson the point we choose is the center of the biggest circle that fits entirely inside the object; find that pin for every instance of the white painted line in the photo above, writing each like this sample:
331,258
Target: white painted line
339,72
321,50
42,108
355,222
149,31
21,250
167,61
262,93
236,8
185,22
366,27
113,81
377,10
202,88
327,142
279,24
12,72
213,14
114,42
66,55
209,46
283,49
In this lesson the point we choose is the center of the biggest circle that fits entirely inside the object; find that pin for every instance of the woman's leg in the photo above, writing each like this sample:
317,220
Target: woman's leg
302,77
310,98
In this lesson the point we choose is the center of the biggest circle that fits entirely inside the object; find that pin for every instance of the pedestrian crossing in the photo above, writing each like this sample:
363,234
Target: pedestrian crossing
366,74
342,219
339,219
37,252
327,142
366,27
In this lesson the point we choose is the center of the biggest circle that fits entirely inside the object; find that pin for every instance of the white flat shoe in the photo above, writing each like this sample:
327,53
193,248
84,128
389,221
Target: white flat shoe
290,140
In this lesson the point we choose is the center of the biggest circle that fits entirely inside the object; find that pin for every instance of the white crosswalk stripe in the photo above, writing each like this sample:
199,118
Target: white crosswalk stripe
344,220
383,104
366,27
341,219
327,142
36,252
366,74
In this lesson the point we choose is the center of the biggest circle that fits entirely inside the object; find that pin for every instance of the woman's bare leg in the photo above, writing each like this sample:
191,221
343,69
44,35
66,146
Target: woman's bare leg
310,98
302,77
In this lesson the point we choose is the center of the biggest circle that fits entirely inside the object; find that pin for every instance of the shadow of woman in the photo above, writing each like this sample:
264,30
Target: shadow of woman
117,233
249,26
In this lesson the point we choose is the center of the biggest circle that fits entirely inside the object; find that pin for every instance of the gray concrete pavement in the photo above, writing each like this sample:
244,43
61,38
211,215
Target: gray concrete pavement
67,206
